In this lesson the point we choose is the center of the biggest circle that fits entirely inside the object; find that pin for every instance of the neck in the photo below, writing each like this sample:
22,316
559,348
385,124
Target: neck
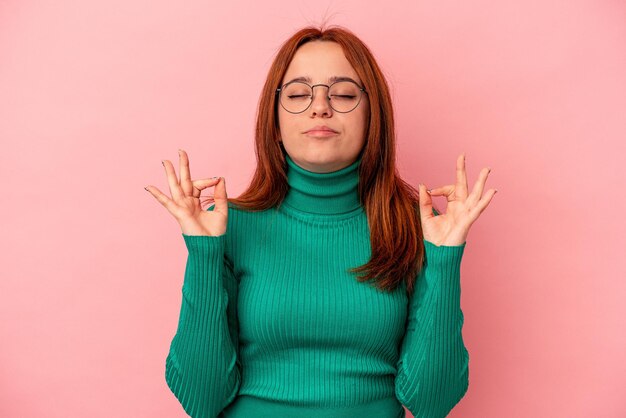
323,193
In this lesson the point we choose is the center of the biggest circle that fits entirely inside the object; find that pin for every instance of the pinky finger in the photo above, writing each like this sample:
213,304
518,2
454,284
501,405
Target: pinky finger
481,205
161,197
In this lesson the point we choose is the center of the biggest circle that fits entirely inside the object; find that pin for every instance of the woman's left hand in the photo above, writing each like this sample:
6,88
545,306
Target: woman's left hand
451,228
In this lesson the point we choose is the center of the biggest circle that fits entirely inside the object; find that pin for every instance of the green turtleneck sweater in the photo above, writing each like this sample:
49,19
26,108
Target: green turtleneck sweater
272,325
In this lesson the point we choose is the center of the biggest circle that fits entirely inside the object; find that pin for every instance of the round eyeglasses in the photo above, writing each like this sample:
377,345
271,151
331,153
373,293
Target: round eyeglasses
343,96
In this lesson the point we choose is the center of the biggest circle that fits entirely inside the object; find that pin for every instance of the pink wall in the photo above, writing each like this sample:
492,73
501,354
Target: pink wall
94,94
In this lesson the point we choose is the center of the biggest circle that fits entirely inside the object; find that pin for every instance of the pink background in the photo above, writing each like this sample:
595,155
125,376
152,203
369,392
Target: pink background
94,94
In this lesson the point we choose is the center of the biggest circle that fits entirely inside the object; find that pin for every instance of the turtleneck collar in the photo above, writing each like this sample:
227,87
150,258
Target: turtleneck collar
323,193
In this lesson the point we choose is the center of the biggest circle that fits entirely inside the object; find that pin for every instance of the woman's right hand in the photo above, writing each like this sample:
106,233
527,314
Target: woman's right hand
185,202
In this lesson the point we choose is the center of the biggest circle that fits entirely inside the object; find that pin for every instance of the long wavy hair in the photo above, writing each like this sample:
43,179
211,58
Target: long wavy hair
391,205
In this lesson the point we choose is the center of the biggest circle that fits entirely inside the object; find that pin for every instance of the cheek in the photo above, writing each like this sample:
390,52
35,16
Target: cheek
281,120
363,121
285,123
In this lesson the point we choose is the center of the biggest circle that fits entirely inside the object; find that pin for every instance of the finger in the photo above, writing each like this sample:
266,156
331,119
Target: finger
161,197
185,175
426,203
447,190
461,178
482,203
172,180
220,197
479,186
199,185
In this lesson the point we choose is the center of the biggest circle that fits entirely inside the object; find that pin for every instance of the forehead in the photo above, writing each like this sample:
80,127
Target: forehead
320,61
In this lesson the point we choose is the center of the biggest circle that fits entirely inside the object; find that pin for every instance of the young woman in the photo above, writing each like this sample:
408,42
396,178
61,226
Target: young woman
330,288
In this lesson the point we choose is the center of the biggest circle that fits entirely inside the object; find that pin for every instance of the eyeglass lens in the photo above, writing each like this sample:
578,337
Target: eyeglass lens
344,96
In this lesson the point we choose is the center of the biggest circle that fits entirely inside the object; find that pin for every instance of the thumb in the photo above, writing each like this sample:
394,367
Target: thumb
220,196
426,203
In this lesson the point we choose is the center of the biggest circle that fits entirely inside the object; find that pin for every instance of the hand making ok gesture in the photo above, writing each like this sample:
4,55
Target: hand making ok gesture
451,228
185,202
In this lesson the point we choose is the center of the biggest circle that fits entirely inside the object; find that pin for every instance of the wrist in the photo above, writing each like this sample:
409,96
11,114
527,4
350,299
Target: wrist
192,228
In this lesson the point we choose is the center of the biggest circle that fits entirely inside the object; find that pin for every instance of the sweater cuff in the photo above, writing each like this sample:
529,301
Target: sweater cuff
204,244
443,255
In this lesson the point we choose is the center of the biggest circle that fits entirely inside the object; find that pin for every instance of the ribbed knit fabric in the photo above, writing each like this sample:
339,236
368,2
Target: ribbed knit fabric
272,325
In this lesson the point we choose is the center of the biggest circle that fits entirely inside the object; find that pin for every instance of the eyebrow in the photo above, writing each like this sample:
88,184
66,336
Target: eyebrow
332,79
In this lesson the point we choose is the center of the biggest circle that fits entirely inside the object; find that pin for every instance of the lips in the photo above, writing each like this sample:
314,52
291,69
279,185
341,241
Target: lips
320,128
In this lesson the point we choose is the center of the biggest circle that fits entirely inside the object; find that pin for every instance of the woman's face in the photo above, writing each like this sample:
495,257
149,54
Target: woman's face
319,62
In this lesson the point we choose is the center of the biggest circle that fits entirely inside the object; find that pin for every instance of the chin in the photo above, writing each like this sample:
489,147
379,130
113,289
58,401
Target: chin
326,165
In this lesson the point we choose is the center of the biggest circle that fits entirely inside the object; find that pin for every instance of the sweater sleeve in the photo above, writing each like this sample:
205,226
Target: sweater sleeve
202,367
433,367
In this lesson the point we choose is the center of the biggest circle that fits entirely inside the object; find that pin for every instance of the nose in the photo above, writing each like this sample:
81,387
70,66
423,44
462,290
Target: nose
320,103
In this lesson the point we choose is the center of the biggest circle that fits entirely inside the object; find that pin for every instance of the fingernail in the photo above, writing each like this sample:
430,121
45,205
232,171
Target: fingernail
163,162
146,188
496,191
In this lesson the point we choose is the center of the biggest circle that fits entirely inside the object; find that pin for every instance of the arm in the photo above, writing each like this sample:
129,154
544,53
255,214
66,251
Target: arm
202,367
433,373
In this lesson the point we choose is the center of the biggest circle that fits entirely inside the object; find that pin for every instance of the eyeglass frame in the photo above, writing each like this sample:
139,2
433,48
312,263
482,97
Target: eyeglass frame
281,88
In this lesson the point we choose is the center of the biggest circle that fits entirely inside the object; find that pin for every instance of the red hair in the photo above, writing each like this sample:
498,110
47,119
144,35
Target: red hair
391,205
